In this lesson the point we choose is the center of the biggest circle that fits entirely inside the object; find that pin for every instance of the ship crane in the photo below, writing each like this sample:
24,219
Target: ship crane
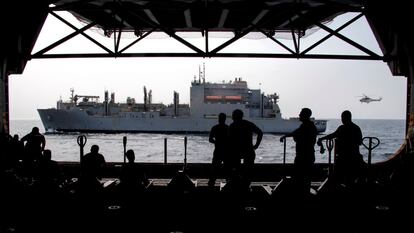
75,98
85,97
274,97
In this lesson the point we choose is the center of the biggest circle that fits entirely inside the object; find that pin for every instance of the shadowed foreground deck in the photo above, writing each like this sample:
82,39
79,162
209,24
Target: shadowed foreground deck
269,205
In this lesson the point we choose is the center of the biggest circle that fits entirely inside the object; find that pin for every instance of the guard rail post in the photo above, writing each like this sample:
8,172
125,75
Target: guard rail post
124,143
81,140
165,150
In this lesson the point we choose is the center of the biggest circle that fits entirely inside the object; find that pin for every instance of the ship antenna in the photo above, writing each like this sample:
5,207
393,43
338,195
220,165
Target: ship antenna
145,99
204,72
72,98
199,74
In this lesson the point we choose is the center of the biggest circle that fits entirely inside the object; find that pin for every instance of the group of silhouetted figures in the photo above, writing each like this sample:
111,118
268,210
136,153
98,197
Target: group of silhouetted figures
234,143
28,158
25,162
27,167
234,156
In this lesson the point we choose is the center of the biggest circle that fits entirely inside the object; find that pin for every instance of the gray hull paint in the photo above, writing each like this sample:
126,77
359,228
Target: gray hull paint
79,121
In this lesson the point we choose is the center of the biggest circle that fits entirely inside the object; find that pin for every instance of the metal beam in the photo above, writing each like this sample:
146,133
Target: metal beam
169,32
223,18
295,43
187,16
330,34
4,97
137,40
342,37
259,16
228,55
232,40
83,34
64,39
274,39
117,39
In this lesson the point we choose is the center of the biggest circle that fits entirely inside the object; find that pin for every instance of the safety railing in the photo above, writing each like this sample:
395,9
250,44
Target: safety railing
169,148
373,142
82,139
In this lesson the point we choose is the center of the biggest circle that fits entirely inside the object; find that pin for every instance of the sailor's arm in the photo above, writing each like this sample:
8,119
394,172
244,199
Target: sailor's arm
329,136
24,138
286,136
211,137
43,143
259,133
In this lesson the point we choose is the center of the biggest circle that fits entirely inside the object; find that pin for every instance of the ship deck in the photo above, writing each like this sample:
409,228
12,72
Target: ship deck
268,205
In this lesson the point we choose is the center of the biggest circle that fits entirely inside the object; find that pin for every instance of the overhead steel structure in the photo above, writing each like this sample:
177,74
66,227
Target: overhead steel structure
21,22
235,18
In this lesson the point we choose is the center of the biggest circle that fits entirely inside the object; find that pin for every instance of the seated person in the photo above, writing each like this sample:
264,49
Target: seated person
133,178
92,165
48,172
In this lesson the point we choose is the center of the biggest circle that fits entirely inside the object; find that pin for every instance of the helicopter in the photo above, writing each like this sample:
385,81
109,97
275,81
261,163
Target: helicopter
366,99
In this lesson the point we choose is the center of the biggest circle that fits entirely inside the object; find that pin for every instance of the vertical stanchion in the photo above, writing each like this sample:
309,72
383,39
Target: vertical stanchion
185,152
125,142
369,151
371,145
329,146
284,151
165,150
81,142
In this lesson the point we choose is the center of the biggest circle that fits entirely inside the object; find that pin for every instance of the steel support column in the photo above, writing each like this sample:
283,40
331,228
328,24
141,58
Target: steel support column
4,98
410,100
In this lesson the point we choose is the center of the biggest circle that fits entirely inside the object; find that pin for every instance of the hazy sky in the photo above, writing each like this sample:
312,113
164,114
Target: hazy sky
326,86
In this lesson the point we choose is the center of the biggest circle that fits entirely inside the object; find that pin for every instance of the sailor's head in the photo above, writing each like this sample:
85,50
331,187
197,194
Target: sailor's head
130,155
237,115
305,114
222,118
35,130
94,148
346,117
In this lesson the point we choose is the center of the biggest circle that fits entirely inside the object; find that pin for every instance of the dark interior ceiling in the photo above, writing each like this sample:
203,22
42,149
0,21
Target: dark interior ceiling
212,15
171,16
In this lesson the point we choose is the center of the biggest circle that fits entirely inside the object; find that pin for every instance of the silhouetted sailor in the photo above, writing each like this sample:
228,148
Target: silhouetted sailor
48,173
5,157
305,138
219,135
35,144
90,187
133,177
17,147
93,163
241,139
348,162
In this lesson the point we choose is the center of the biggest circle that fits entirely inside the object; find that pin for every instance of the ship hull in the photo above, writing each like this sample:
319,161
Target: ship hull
74,120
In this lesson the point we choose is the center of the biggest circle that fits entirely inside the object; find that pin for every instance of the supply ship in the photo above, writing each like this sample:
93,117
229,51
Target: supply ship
85,113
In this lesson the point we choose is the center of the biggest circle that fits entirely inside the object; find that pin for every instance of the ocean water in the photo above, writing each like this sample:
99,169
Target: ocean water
150,147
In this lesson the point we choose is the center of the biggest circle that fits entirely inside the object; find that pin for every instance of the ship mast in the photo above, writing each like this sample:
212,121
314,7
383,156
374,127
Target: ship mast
204,72
72,97
201,74
145,99
149,99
